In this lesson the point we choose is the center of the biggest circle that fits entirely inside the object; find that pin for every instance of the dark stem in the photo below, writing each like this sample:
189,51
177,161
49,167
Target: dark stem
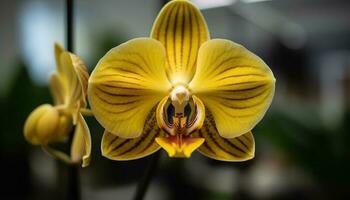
73,185
146,179
69,25
73,179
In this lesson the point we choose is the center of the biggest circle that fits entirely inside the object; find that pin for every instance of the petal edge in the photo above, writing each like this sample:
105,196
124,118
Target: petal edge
126,84
234,84
181,28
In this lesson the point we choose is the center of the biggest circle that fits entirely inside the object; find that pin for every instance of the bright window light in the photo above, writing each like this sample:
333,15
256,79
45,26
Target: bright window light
207,4
253,1
40,26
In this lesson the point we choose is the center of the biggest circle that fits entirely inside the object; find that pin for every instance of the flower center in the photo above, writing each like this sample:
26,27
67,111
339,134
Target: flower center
179,116
180,96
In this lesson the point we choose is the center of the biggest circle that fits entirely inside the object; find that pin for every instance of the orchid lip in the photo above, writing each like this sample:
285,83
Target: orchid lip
179,146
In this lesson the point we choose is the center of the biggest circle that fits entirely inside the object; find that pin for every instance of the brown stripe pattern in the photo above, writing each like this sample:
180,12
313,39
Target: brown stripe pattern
116,148
234,84
74,78
237,149
181,28
126,84
81,71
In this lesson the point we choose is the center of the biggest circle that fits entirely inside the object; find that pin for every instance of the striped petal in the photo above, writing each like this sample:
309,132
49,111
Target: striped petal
181,28
126,84
81,72
81,145
241,148
116,148
69,68
235,85
74,78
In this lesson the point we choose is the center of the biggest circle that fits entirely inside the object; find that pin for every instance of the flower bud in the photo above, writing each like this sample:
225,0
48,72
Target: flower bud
42,124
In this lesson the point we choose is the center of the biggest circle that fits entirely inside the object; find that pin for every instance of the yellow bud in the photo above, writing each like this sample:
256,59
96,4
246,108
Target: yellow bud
64,127
41,125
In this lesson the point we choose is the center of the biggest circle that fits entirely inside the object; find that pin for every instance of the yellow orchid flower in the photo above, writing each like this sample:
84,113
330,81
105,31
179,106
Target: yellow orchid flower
180,90
48,124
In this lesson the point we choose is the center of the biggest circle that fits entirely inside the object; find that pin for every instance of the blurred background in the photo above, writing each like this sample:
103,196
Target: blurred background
302,145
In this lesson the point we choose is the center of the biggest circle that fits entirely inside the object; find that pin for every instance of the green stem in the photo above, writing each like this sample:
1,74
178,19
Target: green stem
59,155
146,179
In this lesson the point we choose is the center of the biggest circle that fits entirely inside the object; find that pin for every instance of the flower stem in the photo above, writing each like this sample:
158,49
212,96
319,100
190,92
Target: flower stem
59,155
69,24
73,185
74,192
146,179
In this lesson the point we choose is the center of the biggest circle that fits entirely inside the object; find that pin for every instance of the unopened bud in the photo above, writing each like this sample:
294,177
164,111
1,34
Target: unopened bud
42,124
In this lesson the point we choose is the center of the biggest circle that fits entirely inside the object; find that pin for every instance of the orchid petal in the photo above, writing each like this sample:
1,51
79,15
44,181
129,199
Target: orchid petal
58,51
116,148
74,80
126,84
56,89
81,72
71,79
236,149
181,28
234,84
81,144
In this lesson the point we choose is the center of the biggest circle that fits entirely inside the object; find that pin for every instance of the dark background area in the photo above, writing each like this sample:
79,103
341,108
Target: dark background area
302,145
